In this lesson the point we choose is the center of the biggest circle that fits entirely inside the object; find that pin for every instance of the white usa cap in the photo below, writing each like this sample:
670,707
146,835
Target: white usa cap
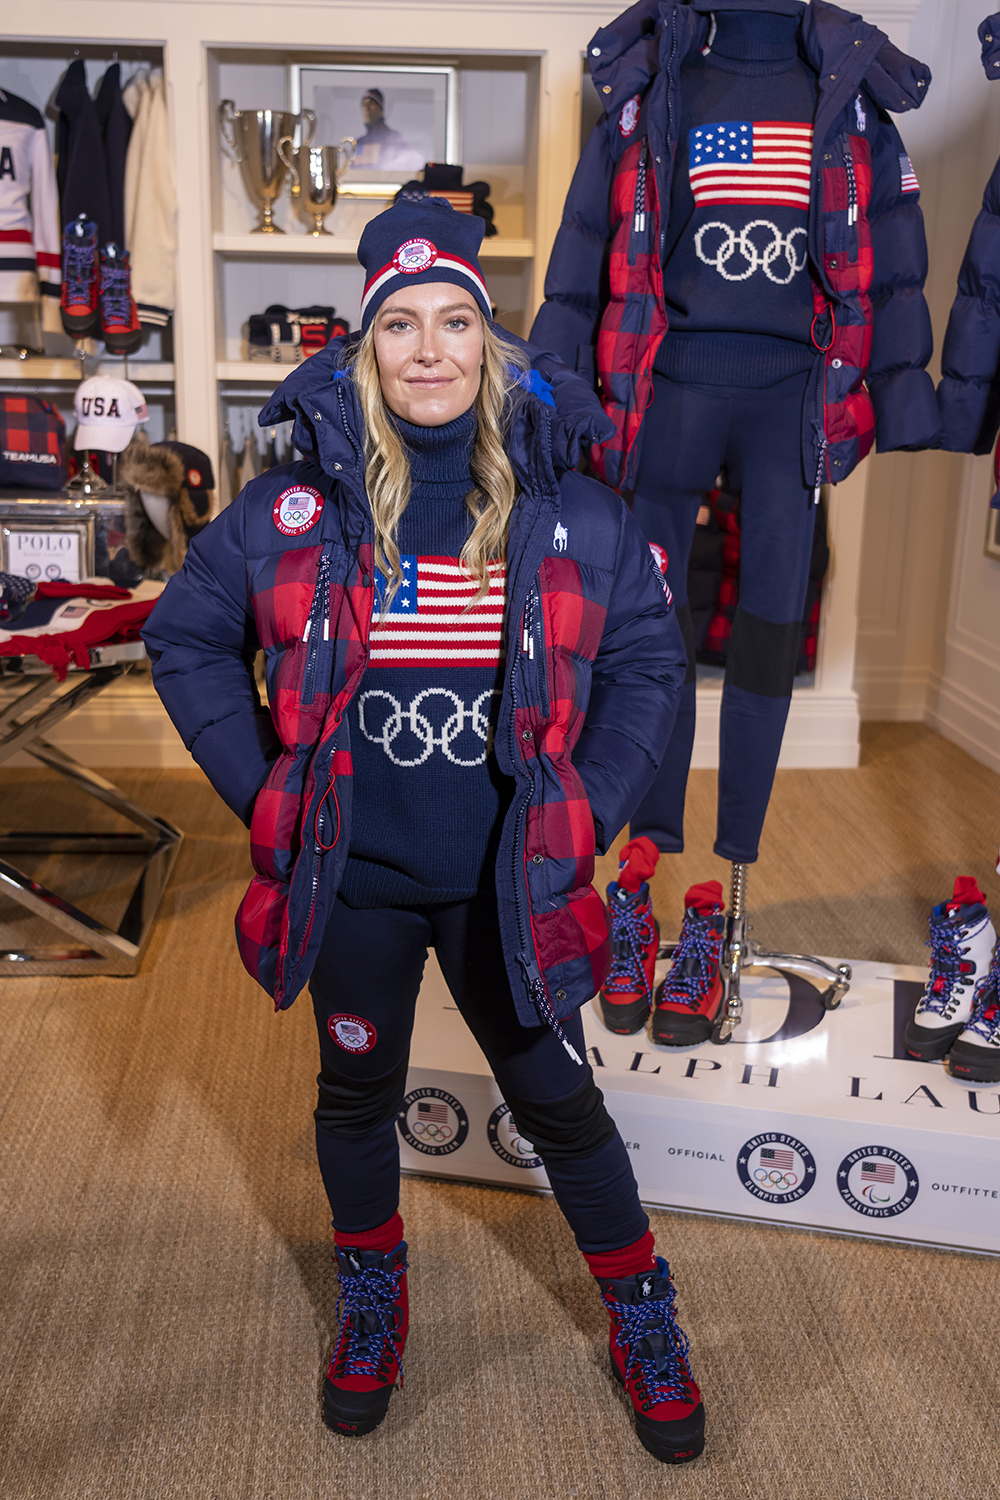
107,413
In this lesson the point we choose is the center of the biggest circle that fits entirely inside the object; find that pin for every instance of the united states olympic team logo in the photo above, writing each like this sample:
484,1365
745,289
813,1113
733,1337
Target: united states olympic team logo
776,1168
297,510
433,1122
878,1182
508,1142
414,256
629,116
353,1033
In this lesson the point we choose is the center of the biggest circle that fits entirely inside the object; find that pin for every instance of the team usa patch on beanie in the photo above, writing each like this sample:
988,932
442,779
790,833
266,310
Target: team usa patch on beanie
420,239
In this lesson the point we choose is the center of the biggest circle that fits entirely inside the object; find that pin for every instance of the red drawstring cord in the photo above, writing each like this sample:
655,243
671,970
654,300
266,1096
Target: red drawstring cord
331,787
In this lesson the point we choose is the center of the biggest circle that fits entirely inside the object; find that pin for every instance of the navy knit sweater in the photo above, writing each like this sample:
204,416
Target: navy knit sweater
735,276
428,798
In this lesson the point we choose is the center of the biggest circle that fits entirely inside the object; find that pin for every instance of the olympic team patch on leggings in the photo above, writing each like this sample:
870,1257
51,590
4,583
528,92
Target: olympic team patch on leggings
433,1122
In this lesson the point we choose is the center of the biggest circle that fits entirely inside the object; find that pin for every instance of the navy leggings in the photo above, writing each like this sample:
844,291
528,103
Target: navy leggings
369,967
753,437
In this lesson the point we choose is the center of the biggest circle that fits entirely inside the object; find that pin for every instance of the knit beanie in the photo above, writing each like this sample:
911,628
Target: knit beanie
420,239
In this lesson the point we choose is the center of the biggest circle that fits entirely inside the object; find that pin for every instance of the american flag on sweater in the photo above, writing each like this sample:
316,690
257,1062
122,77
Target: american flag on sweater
878,1171
428,622
744,161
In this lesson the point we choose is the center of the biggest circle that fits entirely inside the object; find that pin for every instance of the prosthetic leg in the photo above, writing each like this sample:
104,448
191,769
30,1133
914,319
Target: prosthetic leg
741,952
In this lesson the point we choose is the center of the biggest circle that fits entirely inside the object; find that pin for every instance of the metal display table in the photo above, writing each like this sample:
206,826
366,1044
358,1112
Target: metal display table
30,706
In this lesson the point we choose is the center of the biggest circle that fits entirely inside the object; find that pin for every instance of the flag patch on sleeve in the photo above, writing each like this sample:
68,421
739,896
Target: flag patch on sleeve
908,178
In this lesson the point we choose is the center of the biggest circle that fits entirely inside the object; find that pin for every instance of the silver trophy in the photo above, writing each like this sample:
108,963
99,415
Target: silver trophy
253,135
317,172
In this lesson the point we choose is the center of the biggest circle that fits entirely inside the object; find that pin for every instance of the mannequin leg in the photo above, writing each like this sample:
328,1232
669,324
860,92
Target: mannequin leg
778,518
683,444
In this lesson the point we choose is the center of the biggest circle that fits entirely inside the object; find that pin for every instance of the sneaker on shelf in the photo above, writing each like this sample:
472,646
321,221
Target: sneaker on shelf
368,1358
690,998
961,943
627,995
120,327
975,1056
649,1355
78,299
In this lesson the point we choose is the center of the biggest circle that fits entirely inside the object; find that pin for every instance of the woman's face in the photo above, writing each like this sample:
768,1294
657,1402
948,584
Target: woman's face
429,347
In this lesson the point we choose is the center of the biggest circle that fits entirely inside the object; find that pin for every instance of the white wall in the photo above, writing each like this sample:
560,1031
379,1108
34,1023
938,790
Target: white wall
929,608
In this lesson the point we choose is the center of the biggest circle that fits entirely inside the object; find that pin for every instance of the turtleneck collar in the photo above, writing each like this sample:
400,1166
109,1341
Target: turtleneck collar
755,37
439,455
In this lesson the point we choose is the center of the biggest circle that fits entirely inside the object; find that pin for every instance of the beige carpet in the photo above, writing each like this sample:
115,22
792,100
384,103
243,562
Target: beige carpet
166,1296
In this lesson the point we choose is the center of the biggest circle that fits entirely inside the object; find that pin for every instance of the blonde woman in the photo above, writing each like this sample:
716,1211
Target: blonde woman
472,668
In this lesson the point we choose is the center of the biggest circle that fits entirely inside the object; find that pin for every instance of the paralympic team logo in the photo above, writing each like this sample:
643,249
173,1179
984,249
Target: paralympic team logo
508,1142
433,1122
297,510
878,1182
776,1168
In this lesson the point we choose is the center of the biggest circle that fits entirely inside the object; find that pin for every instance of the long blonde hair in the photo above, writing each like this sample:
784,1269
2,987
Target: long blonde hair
387,469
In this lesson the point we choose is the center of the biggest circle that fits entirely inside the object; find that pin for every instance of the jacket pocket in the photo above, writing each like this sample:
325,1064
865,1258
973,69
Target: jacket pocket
274,826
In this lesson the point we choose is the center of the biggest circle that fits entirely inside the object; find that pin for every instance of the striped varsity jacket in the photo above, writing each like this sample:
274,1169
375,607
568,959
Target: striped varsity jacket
604,312
29,212
593,666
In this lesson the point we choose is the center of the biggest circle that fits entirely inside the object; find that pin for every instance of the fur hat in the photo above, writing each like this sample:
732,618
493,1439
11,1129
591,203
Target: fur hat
163,508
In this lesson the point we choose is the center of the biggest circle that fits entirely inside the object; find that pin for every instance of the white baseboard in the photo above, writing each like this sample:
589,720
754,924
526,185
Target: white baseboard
888,694
822,729
966,720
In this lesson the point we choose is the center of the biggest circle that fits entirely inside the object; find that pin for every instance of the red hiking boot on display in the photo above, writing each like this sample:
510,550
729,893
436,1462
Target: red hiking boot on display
627,995
368,1358
649,1355
120,327
690,998
78,299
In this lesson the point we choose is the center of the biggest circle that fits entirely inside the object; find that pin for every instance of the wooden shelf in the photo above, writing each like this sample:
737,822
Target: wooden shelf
69,370
246,372
331,247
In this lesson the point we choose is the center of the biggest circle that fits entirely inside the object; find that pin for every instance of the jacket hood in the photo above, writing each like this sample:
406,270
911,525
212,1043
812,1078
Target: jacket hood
989,36
318,396
624,57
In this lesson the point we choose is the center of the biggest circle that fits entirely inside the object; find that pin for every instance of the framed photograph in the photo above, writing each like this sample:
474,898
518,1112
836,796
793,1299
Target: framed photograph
400,116
47,553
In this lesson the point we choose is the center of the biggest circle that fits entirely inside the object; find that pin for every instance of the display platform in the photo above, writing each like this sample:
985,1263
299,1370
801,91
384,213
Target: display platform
806,1117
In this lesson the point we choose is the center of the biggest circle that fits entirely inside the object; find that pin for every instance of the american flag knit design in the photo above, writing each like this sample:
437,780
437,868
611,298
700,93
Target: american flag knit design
432,620
748,161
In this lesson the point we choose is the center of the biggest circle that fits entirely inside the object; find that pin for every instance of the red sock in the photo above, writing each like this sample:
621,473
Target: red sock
636,863
630,1260
384,1237
966,893
705,898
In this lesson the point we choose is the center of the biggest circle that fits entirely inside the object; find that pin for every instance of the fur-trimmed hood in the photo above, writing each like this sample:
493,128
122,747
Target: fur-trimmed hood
162,512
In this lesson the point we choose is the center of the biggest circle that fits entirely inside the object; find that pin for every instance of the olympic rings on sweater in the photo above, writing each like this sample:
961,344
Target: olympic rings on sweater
475,718
757,258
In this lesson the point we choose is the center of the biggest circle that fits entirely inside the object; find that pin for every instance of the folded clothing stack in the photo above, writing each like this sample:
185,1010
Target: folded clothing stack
442,180
287,335
62,622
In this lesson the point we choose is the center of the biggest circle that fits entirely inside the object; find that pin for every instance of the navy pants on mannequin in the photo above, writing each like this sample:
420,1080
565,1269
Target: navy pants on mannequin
370,966
753,437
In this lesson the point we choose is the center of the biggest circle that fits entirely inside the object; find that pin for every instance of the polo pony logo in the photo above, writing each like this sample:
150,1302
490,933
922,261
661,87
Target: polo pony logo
560,537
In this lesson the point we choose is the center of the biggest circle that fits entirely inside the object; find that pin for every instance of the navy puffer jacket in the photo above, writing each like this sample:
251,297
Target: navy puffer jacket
594,664
604,312
969,393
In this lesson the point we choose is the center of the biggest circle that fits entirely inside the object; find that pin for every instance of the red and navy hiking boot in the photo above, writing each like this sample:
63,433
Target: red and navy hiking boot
961,943
649,1355
78,299
975,1056
627,995
120,327
690,998
368,1358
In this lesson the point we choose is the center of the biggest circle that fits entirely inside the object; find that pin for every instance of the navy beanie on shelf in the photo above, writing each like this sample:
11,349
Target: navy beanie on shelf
420,239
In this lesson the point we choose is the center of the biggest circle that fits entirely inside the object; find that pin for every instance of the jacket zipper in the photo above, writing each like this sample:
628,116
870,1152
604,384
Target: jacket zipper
317,626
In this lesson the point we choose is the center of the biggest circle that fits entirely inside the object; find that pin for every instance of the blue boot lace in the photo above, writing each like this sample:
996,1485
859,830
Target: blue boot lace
985,1018
655,1345
78,268
367,1303
947,964
116,301
632,934
696,955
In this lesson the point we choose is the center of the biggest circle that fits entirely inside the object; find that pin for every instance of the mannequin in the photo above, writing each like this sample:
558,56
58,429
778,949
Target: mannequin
770,286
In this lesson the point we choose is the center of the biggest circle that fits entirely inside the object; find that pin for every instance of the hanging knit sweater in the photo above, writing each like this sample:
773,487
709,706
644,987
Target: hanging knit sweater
428,798
735,274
